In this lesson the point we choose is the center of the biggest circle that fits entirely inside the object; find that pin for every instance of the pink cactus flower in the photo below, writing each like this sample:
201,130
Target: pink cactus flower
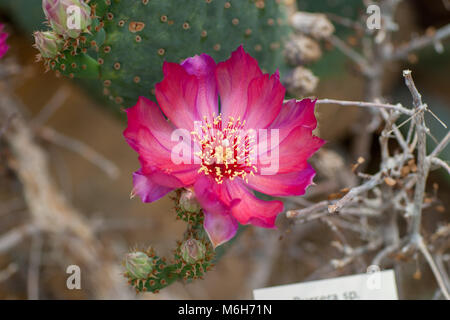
3,46
227,163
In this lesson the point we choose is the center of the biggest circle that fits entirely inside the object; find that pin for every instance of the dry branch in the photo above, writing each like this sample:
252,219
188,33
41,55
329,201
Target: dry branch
50,211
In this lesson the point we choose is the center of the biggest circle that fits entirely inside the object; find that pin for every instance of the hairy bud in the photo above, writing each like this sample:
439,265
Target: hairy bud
68,18
300,81
192,251
301,50
188,202
138,265
48,43
316,25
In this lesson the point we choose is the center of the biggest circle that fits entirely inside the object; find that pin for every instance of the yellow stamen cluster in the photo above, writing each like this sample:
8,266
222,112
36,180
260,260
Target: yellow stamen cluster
226,149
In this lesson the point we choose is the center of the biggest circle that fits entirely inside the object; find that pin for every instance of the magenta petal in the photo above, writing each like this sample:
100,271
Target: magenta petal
172,179
294,114
3,45
147,189
283,184
293,151
219,227
177,95
204,67
298,147
233,77
264,93
149,133
154,154
219,224
212,197
251,210
148,115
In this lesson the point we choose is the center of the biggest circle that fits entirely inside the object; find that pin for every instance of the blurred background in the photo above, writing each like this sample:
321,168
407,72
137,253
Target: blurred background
91,166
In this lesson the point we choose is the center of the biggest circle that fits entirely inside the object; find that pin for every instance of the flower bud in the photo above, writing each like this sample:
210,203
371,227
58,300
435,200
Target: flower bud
301,49
138,264
316,25
300,81
188,202
192,251
48,43
68,18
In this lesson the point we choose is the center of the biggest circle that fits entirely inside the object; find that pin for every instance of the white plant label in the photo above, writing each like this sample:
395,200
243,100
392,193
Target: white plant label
378,285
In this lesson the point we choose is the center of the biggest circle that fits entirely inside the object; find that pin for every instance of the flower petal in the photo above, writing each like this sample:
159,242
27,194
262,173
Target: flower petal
293,114
233,77
219,224
265,99
290,154
212,197
251,210
3,45
177,95
150,134
284,184
219,227
147,114
146,188
204,67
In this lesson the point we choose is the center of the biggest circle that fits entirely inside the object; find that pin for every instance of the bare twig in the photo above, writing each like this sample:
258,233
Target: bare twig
303,212
49,209
441,146
397,107
352,54
12,238
423,165
368,185
56,101
345,21
82,149
439,278
5,126
398,188
5,274
441,163
34,266
419,43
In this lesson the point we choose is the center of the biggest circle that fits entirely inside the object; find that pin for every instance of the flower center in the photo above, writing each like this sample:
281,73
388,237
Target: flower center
226,149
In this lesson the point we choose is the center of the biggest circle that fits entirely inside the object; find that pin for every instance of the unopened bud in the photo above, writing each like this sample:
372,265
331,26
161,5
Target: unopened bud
316,25
300,81
138,265
301,49
192,251
188,202
48,43
68,18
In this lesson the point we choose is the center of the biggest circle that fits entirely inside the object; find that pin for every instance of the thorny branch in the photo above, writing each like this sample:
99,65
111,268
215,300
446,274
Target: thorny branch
398,189
398,174
50,212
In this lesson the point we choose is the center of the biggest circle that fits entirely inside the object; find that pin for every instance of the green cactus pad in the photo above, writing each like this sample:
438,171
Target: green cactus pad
130,39
141,35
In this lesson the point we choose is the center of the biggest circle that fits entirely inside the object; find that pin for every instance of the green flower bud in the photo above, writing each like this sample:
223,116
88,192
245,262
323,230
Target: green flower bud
68,18
138,265
192,251
188,202
48,43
